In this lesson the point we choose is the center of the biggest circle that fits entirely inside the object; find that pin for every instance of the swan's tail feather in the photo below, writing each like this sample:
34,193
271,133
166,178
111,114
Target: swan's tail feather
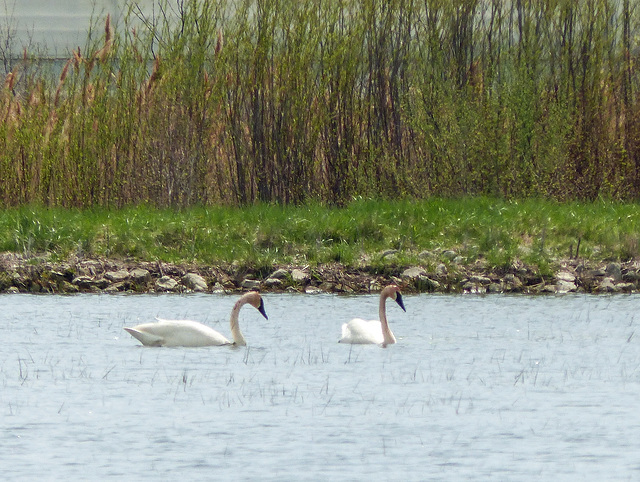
146,339
346,332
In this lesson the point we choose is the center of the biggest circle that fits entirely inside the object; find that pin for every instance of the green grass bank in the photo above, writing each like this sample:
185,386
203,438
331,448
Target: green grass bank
449,240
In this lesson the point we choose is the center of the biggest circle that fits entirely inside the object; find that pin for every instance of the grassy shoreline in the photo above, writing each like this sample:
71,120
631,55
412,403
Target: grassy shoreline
379,240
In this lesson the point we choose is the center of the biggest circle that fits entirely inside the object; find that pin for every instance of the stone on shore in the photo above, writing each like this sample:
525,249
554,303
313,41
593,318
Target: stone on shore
90,283
414,272
565,282
614,270
218,288
607,285
194,282
250,284
117,276
273,283
166,283
25,275
512,283
140,275
279,274
299,276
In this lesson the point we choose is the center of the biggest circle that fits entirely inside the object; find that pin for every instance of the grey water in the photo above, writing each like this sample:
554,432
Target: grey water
55,27
477,388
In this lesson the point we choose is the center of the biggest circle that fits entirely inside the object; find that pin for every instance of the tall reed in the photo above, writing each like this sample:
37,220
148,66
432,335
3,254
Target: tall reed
238,101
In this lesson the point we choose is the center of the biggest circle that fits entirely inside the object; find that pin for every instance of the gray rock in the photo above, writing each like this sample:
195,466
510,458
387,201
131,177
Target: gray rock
614,270
83,281
217,288
250,284
299,276
512,283
512,278
279,274
389,252
273,282
563,286
566,276
495,288
117,276
194,282
424,283
414,272
312,290
595,272
607,285
449,254
631,276
471,287
58,276
101,283
115,287
166,283
88,282
625,287
69,288
140,275
481,280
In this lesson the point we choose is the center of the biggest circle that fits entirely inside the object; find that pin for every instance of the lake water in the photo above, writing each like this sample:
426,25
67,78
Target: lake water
56,27
495,387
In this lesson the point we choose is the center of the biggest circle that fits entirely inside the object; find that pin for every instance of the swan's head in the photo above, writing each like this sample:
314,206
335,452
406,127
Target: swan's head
393,292
255,300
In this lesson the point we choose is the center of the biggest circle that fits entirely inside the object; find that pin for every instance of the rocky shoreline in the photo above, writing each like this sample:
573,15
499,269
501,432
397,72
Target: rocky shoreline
38,275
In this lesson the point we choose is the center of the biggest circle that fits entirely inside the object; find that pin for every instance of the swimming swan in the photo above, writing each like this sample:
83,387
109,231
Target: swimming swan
359,331
192,333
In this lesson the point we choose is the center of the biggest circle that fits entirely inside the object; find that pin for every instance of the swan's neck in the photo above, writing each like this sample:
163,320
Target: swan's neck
388,338
238,339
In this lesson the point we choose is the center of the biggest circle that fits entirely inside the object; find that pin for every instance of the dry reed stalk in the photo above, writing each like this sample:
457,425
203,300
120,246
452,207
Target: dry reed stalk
103,53
63,76
155,75
33,98
65,71
51,123
208,86
77,59
89,94
219,43
9,83
16,110
11,79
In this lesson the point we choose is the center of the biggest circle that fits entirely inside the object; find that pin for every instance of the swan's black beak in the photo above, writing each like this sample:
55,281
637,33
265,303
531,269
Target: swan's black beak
261,310
399,300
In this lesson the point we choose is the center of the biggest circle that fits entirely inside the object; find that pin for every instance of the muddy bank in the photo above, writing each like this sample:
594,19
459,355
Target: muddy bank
38,275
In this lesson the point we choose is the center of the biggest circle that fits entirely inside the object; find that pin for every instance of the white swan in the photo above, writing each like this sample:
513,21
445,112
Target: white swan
359,331
192,333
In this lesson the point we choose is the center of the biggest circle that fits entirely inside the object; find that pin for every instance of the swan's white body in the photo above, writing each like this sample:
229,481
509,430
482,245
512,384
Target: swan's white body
359,331
191,333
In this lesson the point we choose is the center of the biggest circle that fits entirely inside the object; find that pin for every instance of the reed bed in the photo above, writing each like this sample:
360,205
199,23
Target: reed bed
233,102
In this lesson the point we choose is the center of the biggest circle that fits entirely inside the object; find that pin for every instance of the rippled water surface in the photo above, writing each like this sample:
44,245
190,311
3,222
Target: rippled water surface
495,387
